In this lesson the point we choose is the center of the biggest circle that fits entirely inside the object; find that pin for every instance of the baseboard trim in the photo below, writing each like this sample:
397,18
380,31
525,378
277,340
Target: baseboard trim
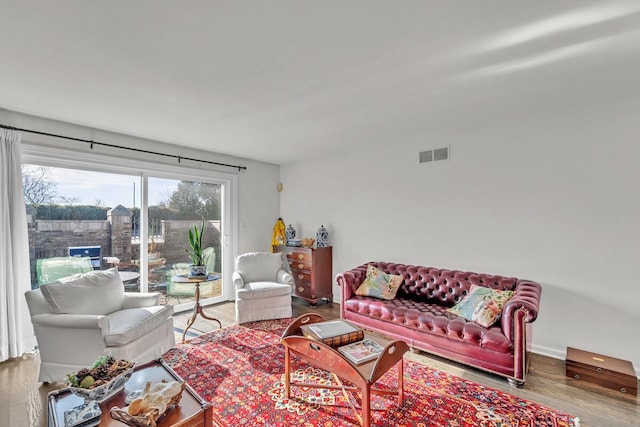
549,352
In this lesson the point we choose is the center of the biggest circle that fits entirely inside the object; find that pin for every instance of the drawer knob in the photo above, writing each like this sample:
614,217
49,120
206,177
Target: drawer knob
599,370
622,389
300,276
300,256
300,265
576,376
300,289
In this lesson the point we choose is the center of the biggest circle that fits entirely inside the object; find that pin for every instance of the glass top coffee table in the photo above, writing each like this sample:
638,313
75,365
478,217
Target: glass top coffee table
363,376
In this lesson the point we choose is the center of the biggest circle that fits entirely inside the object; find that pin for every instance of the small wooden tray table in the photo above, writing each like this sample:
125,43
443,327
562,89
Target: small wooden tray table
363,375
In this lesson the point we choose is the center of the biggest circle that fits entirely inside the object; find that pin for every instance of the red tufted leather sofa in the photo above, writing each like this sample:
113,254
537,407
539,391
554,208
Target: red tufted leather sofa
418,316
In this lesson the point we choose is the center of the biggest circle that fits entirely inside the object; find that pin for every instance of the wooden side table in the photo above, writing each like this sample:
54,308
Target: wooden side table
363,376
192,411
198,308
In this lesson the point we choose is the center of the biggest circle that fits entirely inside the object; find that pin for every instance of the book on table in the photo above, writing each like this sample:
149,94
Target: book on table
333,333
361,351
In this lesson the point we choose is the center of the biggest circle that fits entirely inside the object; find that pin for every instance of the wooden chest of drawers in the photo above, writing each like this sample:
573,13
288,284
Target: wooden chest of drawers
312,272
609,372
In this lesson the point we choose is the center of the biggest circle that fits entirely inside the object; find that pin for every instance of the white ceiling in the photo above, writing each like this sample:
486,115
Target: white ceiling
287,81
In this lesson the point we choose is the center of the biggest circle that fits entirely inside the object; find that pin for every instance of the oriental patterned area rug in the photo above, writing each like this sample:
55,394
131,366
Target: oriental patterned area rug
240,370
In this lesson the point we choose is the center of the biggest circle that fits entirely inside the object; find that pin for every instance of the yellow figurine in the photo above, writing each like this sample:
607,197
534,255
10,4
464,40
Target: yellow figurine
277,238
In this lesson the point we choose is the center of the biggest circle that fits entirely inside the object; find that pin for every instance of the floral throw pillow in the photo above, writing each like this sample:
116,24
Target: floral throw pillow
379,284
482,305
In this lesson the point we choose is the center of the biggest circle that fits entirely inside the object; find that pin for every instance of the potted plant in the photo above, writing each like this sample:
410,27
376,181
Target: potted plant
196,253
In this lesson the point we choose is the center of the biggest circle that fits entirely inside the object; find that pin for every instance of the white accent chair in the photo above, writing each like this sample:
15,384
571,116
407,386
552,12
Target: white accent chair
79,318
263,287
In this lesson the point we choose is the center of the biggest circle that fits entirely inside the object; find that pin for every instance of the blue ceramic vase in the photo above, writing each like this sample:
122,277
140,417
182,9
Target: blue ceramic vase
290,233
322,237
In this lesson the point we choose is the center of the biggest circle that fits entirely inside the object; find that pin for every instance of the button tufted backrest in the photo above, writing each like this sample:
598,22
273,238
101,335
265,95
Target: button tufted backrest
444,287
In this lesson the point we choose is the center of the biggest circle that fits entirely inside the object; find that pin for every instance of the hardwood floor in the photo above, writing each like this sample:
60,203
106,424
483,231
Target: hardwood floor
23,399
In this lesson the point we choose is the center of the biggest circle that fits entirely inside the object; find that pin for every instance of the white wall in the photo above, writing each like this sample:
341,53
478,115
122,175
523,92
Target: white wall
258,202
552,198
259,206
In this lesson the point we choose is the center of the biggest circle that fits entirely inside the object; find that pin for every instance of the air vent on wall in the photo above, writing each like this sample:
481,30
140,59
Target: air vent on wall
434,155
426,156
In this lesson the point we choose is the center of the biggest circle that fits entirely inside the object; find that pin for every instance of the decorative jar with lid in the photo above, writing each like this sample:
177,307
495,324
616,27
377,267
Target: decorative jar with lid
322,237
290,233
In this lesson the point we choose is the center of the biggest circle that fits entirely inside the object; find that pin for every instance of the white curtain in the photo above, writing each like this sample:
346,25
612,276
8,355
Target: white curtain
16,332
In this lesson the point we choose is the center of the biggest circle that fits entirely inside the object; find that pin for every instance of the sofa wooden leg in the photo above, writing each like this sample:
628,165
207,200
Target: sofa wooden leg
515,383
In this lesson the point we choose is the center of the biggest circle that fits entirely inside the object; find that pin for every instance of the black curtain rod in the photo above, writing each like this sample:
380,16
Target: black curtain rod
121,147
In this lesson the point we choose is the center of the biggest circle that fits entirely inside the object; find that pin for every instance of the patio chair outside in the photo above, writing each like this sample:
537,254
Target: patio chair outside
51,269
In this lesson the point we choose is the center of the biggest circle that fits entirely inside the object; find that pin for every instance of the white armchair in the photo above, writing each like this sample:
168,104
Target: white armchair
79,318
263,287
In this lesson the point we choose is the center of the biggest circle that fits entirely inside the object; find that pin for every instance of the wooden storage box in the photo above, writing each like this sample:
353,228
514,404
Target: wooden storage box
609,372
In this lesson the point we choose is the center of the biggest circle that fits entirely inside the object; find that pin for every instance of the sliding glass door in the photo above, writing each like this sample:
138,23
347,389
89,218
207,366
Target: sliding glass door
80,220
84,219
175,206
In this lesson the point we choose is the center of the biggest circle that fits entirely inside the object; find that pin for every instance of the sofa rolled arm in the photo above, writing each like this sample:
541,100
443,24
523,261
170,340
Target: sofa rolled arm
140,299
527,298
350,280
285,277
345,281
71,321
237,279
